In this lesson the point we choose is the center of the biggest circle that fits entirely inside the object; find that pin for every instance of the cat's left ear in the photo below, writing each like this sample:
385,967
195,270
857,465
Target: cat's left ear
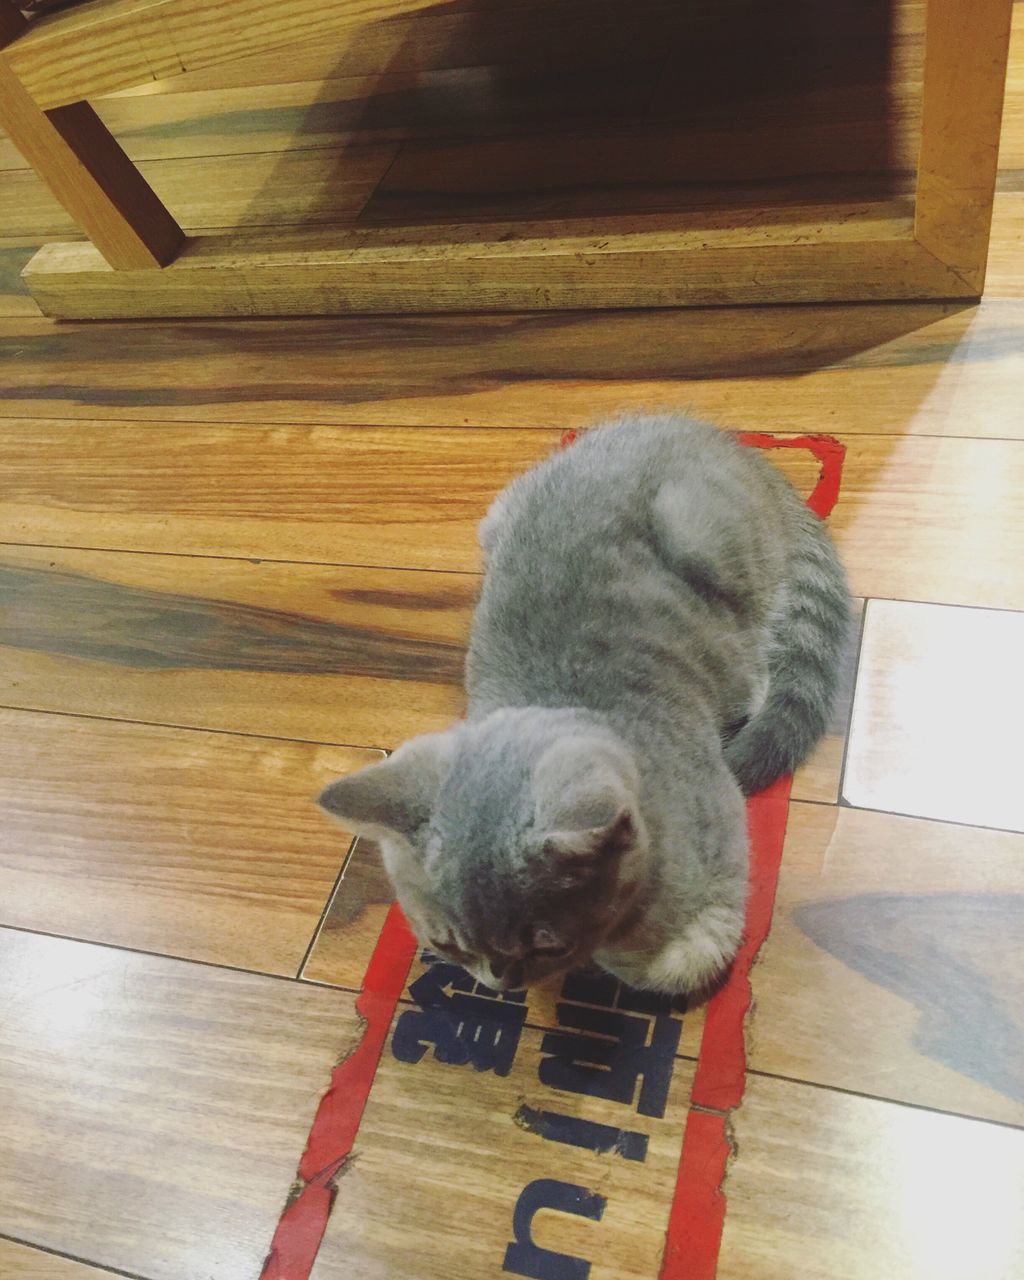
585,802
399,794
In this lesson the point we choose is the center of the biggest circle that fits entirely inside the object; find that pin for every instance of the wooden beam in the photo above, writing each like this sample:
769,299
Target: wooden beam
105,45
867,254
966,44
75,155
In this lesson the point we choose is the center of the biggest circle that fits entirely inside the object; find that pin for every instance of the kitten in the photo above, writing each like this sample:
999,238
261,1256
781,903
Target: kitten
659,630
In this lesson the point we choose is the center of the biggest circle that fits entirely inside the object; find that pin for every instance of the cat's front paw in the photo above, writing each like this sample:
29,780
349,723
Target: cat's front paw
693,962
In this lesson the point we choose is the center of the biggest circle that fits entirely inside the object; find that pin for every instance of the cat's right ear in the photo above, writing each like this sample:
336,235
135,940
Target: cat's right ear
399,794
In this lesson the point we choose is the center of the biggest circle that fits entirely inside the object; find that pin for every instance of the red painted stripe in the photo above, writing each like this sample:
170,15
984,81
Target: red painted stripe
301,1227
698,1207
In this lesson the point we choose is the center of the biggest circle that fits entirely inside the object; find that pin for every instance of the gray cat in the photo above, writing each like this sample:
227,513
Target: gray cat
659,631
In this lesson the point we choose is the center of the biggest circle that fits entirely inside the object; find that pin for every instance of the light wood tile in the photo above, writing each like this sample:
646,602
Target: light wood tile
356,656
917,369
819,776
825,1186
895,964
21,1262
200,845
475,1132
160,1108
940,692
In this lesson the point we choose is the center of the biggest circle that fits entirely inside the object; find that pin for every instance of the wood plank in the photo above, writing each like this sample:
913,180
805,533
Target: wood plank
650,168
493,1147
925,369
338,495
105,45
926,518
321,654
15,299
198,845
894,963
1005,278
934,729
111,1057
528,38
964,75
216,194
90,176
362,108
831,1187
33,1264
848,252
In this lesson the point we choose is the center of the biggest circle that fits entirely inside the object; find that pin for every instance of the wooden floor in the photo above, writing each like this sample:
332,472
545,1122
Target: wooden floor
237,559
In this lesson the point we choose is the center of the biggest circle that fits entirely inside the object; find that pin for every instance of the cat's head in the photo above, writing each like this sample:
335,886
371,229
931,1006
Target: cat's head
515,844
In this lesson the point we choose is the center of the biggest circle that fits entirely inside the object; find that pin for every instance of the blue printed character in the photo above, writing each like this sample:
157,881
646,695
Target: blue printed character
463,1020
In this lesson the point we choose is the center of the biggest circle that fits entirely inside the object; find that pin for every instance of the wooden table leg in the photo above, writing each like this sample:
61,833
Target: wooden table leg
73,152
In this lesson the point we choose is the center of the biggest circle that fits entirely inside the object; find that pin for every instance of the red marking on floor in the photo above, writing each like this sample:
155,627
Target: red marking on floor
722,1062
568,437
829,452
698,1208
301,1228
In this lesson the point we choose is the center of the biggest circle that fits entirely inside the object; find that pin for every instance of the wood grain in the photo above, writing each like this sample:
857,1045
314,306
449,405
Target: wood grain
369,107
321,654
894,963
114,44
917,517
831,1187
648,168
162,1107
964,75
350,495
15,299
852,252
90,176
20,1260
490,1153
199,845
924,369
216,194
934,728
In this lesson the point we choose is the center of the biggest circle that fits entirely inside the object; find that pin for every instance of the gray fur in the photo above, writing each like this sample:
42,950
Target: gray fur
659,629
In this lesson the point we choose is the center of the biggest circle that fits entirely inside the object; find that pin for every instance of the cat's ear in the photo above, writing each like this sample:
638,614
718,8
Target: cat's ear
585,802
399,794
590,846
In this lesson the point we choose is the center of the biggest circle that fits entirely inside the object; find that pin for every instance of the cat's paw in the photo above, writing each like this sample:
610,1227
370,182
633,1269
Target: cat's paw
694,961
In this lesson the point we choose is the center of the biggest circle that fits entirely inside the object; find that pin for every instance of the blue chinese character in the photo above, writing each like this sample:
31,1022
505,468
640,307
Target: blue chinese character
465,1021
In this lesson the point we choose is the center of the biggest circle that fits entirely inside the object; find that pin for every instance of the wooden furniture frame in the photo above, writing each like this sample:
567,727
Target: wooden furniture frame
140,264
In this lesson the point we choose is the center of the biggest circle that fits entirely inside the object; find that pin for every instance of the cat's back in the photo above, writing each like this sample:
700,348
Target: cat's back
620,481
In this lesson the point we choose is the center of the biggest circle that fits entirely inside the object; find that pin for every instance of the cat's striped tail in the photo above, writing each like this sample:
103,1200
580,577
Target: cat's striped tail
807,639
